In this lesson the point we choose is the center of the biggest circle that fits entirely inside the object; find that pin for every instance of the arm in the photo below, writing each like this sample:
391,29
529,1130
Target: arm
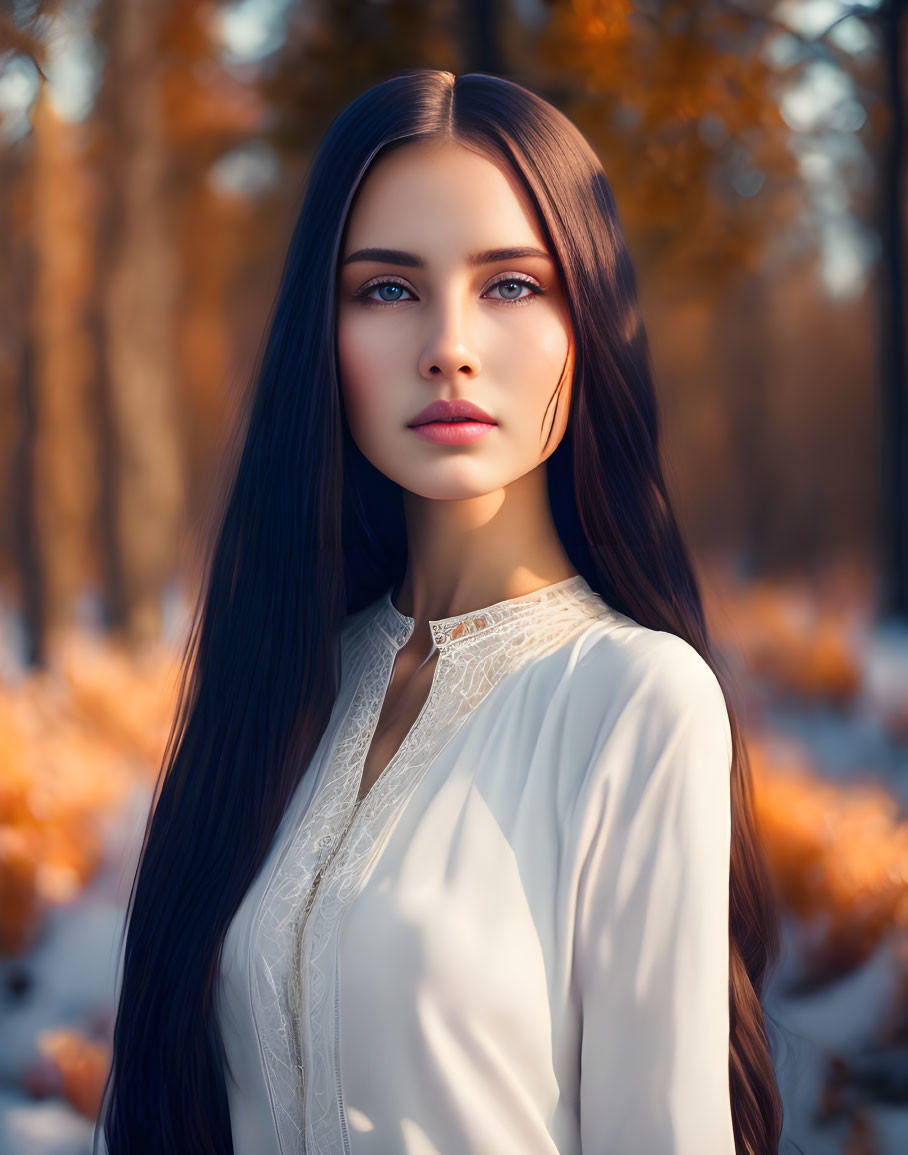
652,928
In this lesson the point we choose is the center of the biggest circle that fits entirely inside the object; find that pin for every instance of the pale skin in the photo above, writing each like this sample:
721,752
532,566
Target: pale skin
479,524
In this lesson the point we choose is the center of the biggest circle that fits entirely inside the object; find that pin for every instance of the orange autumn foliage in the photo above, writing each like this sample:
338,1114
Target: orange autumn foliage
838,853
802,645
76,740
659,92
73,1066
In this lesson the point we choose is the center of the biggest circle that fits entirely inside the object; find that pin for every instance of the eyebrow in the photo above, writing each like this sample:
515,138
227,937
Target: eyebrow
474,260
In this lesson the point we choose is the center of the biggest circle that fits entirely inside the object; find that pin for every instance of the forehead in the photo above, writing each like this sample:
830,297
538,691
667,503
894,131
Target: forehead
439,196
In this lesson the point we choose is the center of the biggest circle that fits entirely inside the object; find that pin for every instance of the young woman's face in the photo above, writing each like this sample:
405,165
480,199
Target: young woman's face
441,316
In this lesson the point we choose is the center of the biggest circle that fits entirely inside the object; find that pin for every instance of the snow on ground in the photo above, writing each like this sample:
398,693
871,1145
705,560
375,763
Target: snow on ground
841,1019
844,1018
67,979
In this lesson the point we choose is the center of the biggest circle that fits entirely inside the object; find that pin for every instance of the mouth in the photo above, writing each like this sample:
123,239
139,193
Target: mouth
453,412
453,432
450,421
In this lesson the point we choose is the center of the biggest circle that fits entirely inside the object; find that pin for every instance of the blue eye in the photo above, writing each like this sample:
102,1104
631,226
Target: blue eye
364,294
388,285
536,291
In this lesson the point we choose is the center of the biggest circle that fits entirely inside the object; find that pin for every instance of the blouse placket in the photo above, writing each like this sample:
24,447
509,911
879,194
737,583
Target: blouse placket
341,836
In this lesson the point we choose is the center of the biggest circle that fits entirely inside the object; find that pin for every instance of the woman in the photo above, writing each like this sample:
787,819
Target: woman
453,852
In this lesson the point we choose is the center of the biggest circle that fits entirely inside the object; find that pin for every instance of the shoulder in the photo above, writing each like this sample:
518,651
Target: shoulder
651,723
635,693
623,663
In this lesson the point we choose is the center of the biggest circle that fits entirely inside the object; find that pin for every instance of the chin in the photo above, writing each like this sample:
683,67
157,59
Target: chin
437,489
457,478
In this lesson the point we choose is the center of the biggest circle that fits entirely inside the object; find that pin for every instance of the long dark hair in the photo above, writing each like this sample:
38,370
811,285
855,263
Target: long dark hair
309,531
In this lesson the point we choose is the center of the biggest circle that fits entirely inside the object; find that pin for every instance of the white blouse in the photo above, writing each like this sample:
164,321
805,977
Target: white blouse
517,942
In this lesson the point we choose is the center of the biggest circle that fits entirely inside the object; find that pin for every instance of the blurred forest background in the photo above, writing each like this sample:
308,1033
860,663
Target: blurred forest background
153,157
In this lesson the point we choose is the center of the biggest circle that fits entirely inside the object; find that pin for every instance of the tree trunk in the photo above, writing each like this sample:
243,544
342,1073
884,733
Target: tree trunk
139,283
57,380
894,400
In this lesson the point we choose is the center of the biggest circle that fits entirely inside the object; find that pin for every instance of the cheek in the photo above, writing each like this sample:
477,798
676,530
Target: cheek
554,346
536,348
541,370
360,366
553,341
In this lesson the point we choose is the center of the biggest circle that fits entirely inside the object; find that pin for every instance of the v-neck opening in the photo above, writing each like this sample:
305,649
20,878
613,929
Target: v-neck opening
410,729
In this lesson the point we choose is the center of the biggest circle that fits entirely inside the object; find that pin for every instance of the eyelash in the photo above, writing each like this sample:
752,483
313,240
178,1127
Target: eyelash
537,291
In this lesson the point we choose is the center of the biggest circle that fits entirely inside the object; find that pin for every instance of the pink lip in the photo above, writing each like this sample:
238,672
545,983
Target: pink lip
453,432
449,410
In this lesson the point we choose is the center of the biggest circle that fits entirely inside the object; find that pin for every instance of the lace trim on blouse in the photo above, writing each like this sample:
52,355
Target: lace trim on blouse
293,969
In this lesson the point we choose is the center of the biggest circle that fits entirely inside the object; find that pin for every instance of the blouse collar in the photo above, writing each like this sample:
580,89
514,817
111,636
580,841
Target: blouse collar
447,631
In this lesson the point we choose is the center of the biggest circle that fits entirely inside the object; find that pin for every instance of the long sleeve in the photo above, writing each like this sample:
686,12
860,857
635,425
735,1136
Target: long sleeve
652,924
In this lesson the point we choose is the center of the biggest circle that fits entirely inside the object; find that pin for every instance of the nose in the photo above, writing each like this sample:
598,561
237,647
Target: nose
447,351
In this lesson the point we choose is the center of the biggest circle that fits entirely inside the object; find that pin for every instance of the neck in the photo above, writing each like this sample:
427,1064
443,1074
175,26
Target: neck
467,553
